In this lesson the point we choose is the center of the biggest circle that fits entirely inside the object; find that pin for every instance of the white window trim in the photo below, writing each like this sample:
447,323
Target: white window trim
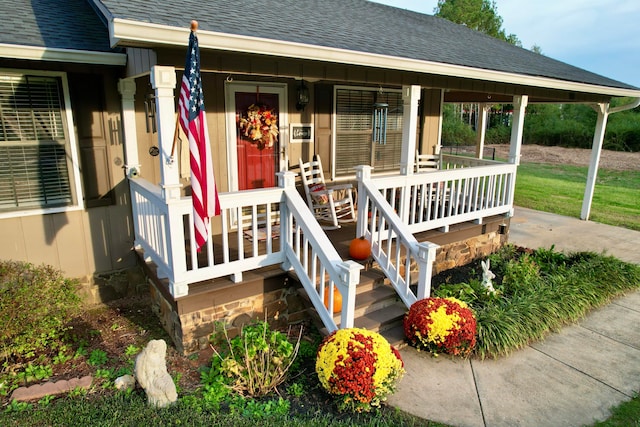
334,126
73,148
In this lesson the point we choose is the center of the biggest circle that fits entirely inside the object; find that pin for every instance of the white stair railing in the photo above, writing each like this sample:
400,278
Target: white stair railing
393,246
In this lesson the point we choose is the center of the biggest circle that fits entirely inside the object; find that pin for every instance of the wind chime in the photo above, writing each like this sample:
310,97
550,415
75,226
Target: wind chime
380,110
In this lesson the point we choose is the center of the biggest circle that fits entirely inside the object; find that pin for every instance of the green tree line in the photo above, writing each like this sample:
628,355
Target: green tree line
566,125
569,125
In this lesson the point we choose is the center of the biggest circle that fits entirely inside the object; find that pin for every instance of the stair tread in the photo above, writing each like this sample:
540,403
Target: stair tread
395,336
377,319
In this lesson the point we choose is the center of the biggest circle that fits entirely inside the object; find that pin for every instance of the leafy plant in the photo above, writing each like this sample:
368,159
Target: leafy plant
35,373
296,389
35,305
46,400
256,361
97,357
251,408
16,406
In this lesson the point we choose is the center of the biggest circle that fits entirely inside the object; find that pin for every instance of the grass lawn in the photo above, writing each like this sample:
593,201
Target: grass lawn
560,188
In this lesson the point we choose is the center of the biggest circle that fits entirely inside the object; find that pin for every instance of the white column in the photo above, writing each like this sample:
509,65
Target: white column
410,99
519,106
481,129
596,149
163,81
127,89
517,126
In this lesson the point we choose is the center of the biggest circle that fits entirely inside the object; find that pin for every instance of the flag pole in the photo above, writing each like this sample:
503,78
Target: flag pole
194,28
175,138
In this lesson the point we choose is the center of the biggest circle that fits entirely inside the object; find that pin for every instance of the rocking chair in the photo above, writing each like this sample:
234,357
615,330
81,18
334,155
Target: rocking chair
330,205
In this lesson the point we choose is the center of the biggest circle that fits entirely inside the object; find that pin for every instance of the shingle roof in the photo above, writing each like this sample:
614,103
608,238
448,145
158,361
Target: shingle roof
60,24
357,25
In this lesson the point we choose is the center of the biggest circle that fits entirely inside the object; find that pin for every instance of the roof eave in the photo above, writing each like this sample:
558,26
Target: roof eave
126,31
33,53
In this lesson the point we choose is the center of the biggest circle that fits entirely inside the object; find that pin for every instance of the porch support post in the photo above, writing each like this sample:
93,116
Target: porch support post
286,179
481,129
426,257
163,81
363,173
127,89
598,138
350,277
519,107
410,100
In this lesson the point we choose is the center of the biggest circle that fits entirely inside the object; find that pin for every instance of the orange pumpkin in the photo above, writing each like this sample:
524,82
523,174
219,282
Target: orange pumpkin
337,299
360,248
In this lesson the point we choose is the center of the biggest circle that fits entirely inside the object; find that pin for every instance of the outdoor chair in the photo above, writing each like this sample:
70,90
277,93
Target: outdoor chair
332,205
427,162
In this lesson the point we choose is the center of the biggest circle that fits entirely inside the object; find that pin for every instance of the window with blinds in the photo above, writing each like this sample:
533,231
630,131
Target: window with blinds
34,162
354,130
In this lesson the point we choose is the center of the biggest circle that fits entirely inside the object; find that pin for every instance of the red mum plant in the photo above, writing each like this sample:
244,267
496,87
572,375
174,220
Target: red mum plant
359,367
444,325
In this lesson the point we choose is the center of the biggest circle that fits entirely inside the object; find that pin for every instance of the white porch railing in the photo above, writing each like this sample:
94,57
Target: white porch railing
391,209
466,189
256,229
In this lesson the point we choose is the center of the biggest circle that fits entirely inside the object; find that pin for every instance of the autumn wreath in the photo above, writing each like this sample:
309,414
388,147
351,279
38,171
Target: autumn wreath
259,124
441,325
359,367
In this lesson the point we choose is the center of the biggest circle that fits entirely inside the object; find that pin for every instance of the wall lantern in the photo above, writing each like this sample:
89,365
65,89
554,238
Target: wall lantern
302,96
380,110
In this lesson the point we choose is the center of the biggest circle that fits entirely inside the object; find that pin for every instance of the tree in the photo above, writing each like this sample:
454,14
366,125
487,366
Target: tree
480,15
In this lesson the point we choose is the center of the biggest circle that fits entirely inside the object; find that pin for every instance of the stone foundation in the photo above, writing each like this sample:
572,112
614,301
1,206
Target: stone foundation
191,320
461,253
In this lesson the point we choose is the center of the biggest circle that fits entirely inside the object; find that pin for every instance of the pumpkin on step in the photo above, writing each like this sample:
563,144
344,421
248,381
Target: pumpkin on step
337,299
359,248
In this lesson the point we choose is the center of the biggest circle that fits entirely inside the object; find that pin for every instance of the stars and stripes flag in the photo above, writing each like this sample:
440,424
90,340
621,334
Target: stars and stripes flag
194,124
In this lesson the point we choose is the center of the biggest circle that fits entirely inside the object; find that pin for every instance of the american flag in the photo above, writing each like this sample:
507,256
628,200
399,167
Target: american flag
194,125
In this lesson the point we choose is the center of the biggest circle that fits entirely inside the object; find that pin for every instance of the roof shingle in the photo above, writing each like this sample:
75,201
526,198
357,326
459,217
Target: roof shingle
59,24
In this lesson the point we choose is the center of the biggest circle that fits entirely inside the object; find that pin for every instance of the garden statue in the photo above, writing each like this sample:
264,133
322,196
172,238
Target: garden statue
151,373
487,275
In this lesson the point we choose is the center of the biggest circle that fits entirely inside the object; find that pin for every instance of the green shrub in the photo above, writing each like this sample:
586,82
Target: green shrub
35,305
256,361
542,290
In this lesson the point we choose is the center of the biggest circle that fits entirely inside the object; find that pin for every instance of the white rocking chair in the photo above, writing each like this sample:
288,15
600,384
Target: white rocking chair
331,206
427,162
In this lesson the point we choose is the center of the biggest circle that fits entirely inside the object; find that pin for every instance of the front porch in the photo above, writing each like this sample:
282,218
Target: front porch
417,223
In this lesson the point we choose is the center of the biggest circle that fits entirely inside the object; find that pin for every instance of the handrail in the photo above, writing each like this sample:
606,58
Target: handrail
393,246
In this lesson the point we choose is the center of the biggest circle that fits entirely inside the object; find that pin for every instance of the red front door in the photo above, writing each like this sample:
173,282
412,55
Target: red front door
258,139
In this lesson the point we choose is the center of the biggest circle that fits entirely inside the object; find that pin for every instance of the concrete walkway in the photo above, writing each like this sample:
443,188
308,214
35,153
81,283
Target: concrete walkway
572,378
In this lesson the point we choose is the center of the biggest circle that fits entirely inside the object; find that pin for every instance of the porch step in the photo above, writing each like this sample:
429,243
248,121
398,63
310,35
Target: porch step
377,309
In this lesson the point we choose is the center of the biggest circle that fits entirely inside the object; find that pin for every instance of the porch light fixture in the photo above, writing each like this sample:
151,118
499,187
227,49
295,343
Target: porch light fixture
302,96
380,110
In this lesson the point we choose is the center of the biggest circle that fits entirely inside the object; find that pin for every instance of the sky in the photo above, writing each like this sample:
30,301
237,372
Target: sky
600,36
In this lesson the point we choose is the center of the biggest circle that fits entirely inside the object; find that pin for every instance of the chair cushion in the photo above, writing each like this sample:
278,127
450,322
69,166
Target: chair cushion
319,198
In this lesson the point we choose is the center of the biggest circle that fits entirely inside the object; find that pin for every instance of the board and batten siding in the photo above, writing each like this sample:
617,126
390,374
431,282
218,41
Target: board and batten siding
99,237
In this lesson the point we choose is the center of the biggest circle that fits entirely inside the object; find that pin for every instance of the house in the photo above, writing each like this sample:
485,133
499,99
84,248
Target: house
92,170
